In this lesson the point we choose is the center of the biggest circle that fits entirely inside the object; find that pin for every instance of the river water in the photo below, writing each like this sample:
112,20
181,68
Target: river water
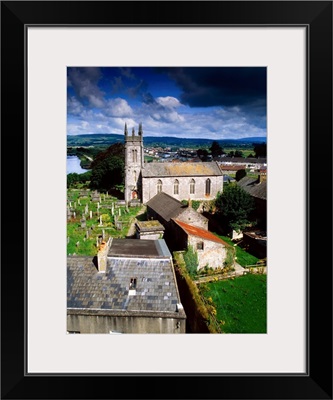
73,165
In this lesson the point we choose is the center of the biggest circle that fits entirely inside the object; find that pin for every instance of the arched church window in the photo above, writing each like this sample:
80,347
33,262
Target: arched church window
135,155
159,186
208,186
176,187
192,186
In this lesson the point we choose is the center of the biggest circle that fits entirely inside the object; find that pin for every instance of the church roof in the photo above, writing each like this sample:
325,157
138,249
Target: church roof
173,169
166,206
199,232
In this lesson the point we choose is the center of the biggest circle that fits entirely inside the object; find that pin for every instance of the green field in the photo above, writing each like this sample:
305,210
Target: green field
240,303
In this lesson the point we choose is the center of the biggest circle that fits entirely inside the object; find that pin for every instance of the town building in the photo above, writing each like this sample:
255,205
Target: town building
257,188
181,180
129,287
210,249
186,227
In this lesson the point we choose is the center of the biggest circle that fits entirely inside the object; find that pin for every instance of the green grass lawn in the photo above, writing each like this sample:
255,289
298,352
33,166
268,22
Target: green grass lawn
241,303
243,258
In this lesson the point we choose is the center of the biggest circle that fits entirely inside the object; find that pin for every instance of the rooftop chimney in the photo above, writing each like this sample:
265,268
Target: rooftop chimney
102,255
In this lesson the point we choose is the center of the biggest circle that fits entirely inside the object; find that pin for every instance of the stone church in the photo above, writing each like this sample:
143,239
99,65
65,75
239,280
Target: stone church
181,180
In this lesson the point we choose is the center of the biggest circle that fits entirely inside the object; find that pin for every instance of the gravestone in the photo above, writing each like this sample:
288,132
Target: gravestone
83,222
90,214
95,196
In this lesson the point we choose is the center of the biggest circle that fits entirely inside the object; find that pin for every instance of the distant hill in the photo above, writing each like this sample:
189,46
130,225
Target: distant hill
106,139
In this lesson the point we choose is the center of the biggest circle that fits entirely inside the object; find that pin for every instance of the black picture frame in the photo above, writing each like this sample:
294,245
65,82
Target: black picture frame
316,16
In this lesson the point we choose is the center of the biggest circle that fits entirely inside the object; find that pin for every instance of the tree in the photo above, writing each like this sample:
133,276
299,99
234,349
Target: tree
108,168
216,149
240,174
202,153
238,153
260,149
235,206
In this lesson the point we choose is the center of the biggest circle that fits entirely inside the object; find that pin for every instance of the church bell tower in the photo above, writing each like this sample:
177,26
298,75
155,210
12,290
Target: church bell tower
134,158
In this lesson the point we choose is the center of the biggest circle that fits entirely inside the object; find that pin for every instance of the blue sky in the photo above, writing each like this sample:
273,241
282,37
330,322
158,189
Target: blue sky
190,102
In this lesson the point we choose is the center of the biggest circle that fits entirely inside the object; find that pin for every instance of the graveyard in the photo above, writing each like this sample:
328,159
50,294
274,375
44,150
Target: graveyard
93,217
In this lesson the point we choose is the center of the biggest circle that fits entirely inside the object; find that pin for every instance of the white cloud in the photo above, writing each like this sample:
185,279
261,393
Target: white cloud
118,108
74,107
168,101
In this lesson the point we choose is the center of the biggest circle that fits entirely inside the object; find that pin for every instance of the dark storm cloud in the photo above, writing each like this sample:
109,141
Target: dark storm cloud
84,82
225,86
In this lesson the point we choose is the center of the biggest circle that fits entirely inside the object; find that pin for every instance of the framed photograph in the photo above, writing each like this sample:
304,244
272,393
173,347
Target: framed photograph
47,48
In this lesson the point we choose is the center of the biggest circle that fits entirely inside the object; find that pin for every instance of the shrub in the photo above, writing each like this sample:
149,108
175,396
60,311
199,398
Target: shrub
191,261
195,204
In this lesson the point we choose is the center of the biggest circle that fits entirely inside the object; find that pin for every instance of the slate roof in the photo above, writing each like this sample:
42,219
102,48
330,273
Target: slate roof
88,289
174,169
254,187
139,248
199,232
166,206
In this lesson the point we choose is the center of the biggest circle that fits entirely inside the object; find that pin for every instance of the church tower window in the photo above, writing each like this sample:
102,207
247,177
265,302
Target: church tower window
192,186
208,185
135,155
176,187
159,186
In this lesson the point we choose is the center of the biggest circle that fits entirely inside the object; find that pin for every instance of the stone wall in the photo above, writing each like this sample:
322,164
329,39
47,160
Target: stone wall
124,324
192,217
213,254
150,235
149,187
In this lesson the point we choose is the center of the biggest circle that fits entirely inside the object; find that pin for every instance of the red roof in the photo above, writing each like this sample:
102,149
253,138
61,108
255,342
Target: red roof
202,233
